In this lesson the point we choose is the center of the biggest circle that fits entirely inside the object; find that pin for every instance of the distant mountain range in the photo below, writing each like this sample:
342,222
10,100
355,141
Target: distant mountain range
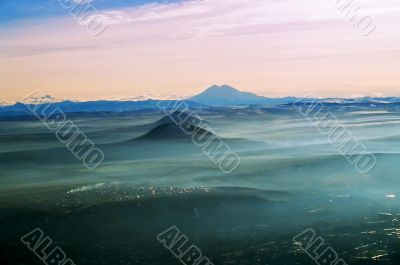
225,95
214,96
228,96
21,109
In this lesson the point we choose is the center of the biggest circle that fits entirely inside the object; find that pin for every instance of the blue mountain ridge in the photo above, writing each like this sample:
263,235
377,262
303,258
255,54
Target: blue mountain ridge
214,96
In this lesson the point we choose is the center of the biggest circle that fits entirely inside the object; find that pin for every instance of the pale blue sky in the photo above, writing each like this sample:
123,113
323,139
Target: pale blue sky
14,10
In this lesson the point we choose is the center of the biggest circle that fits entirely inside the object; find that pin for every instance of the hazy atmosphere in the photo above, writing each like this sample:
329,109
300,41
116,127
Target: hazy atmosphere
199,132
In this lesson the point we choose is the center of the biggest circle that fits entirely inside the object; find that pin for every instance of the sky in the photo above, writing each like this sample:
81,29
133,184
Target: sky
273,48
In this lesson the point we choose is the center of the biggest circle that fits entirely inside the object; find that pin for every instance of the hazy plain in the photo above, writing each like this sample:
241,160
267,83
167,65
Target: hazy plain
290,178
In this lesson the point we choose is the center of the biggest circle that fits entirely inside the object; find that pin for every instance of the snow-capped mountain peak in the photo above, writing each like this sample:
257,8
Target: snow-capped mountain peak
4,103
40,99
